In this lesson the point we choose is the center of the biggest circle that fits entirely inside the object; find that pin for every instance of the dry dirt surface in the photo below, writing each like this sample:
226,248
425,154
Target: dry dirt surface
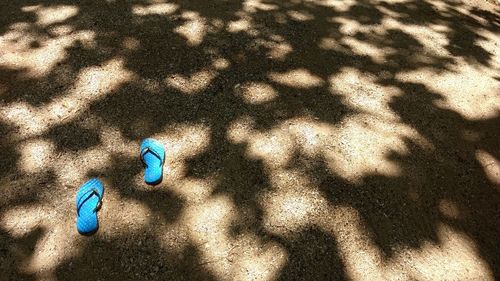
305,140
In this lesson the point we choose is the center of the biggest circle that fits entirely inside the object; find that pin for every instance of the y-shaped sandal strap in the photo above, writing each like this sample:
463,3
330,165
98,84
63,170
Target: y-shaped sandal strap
146,150
87,195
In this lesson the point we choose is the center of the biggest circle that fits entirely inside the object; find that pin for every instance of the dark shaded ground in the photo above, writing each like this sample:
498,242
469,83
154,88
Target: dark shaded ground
386,205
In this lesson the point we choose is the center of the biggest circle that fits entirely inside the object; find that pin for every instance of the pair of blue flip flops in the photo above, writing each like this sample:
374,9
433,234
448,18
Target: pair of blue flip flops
89,196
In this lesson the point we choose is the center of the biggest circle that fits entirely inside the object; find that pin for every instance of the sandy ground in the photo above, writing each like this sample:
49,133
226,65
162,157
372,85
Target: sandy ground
305,140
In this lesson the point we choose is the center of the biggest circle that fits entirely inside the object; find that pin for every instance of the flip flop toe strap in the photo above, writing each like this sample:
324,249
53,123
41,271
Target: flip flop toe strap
86,196
154,152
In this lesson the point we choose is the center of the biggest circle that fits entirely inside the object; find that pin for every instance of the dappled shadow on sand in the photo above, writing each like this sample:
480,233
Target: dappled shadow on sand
124,259
253,100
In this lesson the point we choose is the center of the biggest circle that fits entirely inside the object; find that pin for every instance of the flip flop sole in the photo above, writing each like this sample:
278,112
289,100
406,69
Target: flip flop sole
161,176
156,147
87,222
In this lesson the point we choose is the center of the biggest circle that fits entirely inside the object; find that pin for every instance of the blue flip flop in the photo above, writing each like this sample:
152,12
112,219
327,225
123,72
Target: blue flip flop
88,202
153,158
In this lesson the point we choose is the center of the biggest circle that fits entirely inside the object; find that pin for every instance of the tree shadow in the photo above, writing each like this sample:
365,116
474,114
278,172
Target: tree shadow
160,200
124,259
313,256
400,211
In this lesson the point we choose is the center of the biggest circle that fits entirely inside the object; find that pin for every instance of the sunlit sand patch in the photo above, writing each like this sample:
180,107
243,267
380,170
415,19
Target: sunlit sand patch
349,27
92,84
303,206
362,147
298,78
220,63
488,41
438,5
292,207
469,91
455,258
257,93
181,142
362,48
241,129
15,36
57,242
154,9
239,25
51,15
212,217
21,114
61,30
244,257
20,220
35,155
97,81
193,84
261,262
362,259
300,15
340,6
275,147
469,87
279,51
194,29
254,6
328,43
208,224
38,62
432,37
193,190
362,93
358,147
244,23
71,172
309,135
491,166
95,159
